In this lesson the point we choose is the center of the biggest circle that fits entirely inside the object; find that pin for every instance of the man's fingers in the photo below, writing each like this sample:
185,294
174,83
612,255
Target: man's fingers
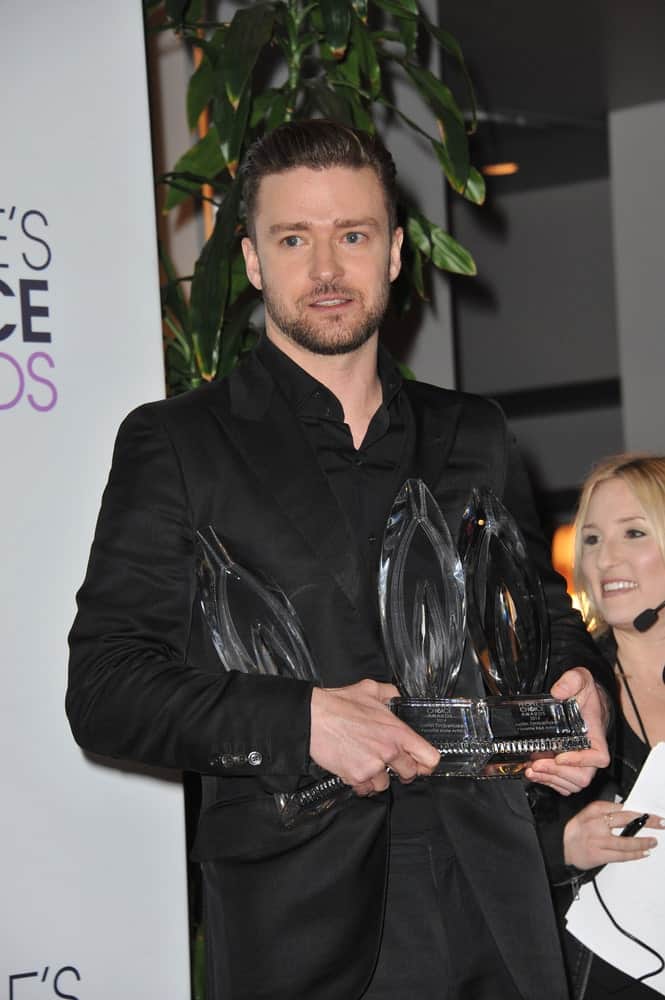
354,735
386,692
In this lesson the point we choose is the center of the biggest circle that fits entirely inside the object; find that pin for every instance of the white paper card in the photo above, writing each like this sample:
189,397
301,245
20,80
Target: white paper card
634,891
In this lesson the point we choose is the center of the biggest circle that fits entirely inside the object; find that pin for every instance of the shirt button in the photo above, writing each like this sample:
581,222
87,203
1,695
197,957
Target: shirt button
254,758
371,539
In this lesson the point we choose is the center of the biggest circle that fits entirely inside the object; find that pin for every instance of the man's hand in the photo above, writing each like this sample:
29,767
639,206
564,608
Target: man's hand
356,736
588,840
569,772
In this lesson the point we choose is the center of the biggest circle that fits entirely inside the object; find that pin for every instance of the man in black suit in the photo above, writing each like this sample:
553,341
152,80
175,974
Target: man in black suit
413,889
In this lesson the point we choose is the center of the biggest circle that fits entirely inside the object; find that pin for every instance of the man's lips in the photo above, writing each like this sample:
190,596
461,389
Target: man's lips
330,302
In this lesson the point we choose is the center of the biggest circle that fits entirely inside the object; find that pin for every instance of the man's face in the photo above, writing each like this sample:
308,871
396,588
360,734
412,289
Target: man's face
323,256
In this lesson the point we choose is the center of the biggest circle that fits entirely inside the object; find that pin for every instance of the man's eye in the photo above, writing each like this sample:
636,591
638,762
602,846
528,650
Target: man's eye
354,238
292,241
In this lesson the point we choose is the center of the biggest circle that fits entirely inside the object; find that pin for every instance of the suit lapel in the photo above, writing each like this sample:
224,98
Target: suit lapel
436,417
269,435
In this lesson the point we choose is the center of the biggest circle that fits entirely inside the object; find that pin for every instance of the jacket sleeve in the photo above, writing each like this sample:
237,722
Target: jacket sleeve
133,692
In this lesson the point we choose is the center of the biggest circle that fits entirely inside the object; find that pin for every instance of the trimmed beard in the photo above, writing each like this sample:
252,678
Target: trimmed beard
333,335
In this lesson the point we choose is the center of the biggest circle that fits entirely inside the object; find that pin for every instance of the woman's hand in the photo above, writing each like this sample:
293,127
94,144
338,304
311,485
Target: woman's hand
588,840
571,771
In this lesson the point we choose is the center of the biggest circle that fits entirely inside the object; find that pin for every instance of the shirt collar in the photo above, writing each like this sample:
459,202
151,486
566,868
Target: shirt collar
303,391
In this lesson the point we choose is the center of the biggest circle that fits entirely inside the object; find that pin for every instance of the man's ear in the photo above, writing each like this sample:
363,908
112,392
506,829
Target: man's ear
251,262
395,265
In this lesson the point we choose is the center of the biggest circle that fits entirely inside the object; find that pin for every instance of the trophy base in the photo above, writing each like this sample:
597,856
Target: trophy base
494,737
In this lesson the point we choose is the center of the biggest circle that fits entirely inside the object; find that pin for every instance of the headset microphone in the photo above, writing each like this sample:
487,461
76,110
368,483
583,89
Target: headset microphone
647,618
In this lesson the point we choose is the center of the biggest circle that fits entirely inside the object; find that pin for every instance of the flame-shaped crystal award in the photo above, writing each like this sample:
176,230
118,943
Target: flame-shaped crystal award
422,608
509,628
255,630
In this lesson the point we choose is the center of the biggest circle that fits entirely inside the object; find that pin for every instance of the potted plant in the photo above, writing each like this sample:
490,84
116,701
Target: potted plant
280,60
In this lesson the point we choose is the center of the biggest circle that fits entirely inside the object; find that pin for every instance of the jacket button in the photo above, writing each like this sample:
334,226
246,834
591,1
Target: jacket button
254,758
227,760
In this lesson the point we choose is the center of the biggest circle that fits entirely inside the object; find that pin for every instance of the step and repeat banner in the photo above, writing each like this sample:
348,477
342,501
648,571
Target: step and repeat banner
92,857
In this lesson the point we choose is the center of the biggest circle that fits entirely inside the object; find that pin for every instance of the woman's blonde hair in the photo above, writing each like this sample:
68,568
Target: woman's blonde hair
645,477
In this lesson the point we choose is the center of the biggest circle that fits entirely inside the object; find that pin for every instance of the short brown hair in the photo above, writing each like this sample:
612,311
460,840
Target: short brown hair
317,143
644,475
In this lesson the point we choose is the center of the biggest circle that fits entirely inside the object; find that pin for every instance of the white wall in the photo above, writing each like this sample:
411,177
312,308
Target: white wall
92,858
544,311
637,157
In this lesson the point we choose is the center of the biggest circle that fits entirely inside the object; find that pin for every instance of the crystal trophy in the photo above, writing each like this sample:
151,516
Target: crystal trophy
255,630
422,610
508,625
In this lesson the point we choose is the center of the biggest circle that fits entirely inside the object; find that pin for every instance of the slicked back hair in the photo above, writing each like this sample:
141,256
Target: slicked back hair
318,144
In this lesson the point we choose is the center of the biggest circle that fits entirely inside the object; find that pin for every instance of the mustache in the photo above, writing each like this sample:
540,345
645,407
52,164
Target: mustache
331,288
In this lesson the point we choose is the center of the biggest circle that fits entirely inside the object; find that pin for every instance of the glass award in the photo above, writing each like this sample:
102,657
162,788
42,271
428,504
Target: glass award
255,630
422,611
508,626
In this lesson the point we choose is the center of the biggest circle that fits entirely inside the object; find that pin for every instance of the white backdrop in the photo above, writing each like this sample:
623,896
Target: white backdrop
92,860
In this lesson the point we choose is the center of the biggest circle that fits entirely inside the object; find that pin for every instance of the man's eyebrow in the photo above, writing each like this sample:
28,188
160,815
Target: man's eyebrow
299,227
289,227
367,220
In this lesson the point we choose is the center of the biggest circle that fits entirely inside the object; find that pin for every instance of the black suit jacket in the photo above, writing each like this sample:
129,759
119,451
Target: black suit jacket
301,909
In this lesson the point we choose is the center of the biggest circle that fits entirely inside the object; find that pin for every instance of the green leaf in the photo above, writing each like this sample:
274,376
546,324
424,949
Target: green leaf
231,143
449,255
336,24
417,273
362,119
199,91
409,11
196,10
408,27
278,111
443,250
452,172
361,42
417,228
172,296
234,332
330,103
475,187
239,279
440,98
203,160
210,285
348,69
437,95
450,45
360,8
211,47
176,10
249,32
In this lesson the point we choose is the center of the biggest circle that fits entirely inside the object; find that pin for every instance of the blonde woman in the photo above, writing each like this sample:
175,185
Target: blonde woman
620,575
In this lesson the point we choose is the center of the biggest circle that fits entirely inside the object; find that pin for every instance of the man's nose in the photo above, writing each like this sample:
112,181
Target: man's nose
325,262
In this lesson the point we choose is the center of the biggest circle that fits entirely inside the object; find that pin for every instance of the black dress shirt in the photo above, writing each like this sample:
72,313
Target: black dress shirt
365,481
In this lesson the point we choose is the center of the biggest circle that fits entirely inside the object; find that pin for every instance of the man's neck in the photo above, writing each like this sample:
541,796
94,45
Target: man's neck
353,378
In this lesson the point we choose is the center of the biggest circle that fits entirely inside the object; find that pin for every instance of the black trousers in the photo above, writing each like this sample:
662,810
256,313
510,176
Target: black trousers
436,944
